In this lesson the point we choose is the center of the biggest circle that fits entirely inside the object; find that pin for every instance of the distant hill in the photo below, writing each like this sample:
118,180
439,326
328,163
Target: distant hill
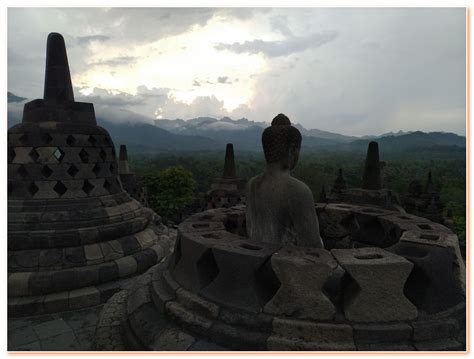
208,126
210,134
147,138
412,140
14,98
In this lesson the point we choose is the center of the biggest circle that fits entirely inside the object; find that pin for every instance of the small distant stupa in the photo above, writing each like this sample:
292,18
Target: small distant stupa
131,183
229,190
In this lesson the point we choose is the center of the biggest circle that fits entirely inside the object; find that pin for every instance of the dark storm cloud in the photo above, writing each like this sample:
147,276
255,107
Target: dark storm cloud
280,48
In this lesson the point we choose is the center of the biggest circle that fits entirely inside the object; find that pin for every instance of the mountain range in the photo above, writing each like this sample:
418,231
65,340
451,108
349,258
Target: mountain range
210,134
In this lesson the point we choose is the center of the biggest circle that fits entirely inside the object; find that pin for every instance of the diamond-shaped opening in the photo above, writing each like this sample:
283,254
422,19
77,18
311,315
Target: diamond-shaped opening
70,140
96,169
46,138
22,171
58,154
46,171
84,156
34,155
107,140
11,154
92,140
107,185
23,138
32,188
102,154
60,188
87,187
72,170
112,167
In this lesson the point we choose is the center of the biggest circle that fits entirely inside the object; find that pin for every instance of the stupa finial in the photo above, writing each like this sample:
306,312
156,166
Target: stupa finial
229,164
57,82
123,167
372,177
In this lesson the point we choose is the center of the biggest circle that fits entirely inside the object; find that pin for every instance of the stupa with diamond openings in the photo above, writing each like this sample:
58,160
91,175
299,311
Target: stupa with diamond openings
74,235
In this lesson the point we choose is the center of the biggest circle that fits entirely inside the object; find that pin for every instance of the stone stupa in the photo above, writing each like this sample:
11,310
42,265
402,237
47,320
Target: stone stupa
132,184
74,236
372,191
228,190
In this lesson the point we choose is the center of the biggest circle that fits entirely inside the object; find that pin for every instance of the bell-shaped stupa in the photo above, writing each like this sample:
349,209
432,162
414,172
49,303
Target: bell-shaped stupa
74,235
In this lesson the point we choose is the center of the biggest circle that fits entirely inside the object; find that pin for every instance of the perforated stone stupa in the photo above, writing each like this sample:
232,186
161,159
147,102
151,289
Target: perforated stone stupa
372,190
74,236
228,190
132,184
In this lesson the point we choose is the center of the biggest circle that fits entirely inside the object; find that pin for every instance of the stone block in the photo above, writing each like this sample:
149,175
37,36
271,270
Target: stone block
18,284
172,339
145,259
196,303
126,266
74,256
382,333
108,272
238,337
56,302
440,345
327,334
84,297
51,258
137,298
111,250
377,291
302,273
93,254
434,329
432,285
238,282
195,264
187,318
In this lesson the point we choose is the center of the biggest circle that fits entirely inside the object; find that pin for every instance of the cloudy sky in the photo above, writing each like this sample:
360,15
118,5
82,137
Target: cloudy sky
355,71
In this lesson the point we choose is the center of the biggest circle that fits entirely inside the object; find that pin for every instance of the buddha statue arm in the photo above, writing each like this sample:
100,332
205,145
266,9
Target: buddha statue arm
305,220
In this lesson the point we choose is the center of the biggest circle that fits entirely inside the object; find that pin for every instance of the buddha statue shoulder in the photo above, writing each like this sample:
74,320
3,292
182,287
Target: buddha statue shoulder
280,208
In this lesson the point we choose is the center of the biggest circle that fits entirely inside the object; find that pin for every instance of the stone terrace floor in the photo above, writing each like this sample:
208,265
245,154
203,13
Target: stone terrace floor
64,331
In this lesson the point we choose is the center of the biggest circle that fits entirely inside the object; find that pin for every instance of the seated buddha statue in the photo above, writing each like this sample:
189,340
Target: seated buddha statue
280,208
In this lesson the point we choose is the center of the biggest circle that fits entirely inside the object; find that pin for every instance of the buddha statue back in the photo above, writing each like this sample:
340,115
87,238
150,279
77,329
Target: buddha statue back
280,208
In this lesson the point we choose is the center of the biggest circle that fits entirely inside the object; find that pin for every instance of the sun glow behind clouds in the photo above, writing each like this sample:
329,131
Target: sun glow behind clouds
187,64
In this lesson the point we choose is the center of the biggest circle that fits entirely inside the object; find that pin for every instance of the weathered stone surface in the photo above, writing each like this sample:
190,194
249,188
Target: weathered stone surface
84,297
432,285
434,329
236,285
126,266
440,345
18,284
196,267
370,297
302,273
382,333
326,335
56,302
173,339
197,303
188,319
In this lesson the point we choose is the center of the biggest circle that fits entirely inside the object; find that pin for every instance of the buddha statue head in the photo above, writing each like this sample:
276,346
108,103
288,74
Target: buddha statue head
281,143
